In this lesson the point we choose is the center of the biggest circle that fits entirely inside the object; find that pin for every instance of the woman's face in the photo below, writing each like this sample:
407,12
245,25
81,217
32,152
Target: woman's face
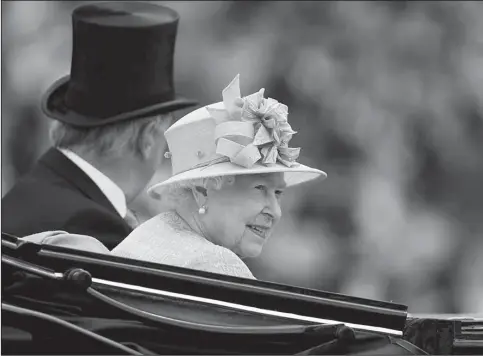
241,216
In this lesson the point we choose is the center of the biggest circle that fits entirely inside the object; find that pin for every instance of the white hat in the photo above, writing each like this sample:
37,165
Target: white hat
236,136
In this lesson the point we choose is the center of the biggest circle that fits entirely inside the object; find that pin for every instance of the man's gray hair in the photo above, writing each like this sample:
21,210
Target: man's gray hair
111,139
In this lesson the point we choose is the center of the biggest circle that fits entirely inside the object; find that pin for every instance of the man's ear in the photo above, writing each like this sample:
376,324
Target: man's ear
200,195
149,137
146,143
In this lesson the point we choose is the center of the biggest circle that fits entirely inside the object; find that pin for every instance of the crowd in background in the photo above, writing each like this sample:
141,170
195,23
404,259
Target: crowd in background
387,98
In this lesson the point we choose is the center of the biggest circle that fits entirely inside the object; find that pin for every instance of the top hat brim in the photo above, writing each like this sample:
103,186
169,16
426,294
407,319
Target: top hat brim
53,105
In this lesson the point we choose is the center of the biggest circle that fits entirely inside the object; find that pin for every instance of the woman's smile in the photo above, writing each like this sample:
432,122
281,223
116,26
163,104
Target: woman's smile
261,231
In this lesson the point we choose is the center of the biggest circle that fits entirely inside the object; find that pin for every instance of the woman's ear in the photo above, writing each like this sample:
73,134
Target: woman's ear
200,195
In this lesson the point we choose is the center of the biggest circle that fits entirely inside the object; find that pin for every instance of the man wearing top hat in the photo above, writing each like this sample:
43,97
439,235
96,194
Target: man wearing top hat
109,116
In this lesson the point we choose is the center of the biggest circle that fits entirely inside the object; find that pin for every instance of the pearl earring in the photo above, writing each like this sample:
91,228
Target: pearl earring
202,210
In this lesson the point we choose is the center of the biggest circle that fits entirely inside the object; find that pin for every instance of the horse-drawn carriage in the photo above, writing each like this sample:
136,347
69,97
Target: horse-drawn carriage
57,300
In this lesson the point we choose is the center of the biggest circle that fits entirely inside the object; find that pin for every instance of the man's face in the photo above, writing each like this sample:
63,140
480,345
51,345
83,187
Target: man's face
241,216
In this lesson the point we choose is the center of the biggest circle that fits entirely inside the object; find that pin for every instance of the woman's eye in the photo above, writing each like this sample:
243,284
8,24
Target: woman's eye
279,193
260,187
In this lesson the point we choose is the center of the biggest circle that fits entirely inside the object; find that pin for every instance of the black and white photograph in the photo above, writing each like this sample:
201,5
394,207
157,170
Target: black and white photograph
242,177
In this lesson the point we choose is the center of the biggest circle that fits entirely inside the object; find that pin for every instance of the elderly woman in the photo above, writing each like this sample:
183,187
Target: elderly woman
231,164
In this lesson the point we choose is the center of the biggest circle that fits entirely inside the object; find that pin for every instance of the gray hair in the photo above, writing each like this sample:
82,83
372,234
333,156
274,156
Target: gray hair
113,139
179,192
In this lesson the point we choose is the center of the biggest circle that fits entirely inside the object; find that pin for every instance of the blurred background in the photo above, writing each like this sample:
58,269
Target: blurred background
387,98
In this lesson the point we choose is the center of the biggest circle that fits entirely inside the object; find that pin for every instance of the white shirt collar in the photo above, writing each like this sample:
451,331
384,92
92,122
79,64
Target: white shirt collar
110,189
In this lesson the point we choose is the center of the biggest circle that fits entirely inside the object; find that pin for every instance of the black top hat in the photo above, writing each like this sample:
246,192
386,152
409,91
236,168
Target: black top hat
122,65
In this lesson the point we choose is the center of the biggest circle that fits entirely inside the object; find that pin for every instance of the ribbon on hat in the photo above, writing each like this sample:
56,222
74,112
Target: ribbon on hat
252,129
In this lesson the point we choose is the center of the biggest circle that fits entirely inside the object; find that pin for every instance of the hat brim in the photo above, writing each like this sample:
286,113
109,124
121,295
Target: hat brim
293,175
53,105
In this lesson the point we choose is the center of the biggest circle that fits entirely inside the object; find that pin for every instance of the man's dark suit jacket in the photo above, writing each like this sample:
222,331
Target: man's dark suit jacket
58,195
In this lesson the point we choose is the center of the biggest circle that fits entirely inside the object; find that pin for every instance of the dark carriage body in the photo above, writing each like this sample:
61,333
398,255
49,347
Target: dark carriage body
62,301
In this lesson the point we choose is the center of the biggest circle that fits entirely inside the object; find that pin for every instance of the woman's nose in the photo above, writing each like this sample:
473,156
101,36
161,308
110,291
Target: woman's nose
273,207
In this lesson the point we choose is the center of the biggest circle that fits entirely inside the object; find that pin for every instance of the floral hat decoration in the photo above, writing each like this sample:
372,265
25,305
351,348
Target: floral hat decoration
240,135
